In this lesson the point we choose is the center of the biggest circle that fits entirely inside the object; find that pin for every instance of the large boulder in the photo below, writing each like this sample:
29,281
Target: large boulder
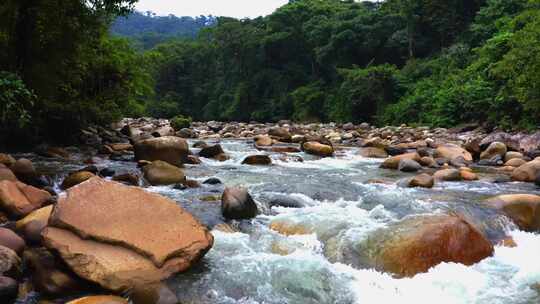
171,149
24,170
119,236
523,209
263,160
494,149
162,173
76,178
418,243
237,203
527,172
393,162
451,151
316,148
19,199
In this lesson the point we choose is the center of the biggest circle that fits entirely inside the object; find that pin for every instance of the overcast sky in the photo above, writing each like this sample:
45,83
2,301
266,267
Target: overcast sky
230,8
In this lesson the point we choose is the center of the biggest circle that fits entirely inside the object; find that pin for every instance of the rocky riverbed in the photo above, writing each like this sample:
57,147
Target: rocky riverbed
273,213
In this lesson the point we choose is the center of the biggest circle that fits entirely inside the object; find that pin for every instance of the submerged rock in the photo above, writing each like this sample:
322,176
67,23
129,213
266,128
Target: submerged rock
418,243
119,236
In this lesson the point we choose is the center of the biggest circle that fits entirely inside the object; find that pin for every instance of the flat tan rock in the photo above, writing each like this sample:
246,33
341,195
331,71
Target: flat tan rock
20,199
148,223
113,267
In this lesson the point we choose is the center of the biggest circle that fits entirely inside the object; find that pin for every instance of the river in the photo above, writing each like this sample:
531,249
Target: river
342,206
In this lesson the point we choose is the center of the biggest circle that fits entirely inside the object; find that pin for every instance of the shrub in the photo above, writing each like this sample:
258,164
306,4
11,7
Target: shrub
179,122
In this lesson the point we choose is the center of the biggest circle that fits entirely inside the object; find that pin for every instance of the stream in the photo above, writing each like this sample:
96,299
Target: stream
344,200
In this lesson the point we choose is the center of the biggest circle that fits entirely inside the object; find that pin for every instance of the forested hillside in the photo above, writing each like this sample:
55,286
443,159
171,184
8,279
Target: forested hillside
432,62
148,29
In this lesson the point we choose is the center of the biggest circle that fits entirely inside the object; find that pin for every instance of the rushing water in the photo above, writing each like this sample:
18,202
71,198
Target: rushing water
341,207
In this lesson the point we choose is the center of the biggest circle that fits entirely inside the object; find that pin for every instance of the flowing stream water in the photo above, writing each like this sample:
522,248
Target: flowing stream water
341,208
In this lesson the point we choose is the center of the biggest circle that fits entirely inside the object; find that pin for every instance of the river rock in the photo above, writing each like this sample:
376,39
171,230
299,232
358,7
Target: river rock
280,134
131,236
527,172
318,149
512,155
393,162
494,149
211,151
49,276
8,289
515,162
129,179
162,173
451,151
100,300
7,159
20,199
263,160
428,161
263,141
418,243
237,203
423,180
212,181
468,175
6,174
285,201
373,152
448,175
171,149
24,170
523,209
11,240
76,178
409,165
40,215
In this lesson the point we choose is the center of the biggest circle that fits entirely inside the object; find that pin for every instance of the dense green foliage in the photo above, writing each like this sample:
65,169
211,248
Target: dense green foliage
180,122
434,62
402,61
149,30
62,53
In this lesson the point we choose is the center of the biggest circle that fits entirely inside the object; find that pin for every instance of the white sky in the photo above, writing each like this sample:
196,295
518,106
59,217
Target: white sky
230,8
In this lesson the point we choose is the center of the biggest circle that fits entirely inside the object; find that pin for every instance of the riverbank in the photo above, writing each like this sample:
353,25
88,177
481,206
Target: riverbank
319,215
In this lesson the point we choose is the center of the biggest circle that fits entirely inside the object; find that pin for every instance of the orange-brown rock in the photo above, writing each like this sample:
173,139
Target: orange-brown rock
11,240
416,244
448,175
451,151
468,175
40,215
315,148
393,162
147,223
515,162
523,209
162,173
100,300
171,149
373,152
20,199
263,141
6,159
423,180
527,172
121,147
263,160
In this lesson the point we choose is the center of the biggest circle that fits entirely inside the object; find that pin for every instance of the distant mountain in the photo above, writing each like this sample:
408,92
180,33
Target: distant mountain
148,29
